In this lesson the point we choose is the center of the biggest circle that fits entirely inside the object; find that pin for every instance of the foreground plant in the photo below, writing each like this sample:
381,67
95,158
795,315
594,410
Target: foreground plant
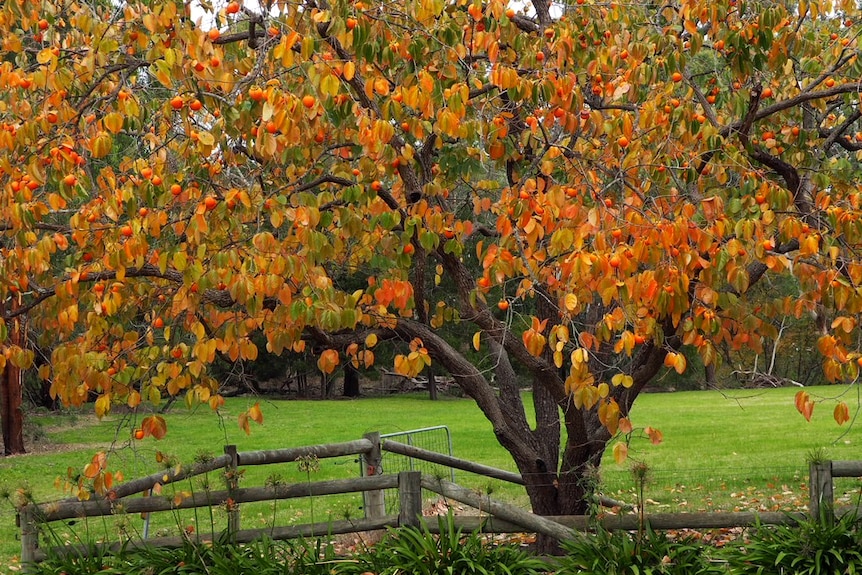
606,552
407,550
811,547
416,550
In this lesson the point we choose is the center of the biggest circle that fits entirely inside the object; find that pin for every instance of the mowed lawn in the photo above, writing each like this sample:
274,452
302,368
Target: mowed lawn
734,449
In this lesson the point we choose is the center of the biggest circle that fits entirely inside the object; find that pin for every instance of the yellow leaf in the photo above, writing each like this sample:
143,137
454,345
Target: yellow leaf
103,405
622,379
102,145
113,122
242,421
349,71
558,359
255,413
842,413
45,55
477,340
580,355
621,452
329,85
571,302
206,138
371,340
402,365
679,363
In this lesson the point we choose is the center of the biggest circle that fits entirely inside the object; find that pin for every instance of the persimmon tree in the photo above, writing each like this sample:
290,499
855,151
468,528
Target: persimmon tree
589,186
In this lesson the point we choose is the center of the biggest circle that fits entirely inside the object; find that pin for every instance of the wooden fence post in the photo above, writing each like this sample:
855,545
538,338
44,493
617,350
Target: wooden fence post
232,479
374,502
409,498
821,499
29,536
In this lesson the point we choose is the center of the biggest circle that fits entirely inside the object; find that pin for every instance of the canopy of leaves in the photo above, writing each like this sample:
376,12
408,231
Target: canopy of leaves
173,183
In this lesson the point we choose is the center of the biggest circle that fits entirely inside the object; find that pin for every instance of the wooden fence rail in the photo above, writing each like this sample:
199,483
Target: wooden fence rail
495,516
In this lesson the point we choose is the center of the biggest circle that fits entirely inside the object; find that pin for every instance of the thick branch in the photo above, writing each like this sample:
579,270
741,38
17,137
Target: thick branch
217,297
471,380
793,102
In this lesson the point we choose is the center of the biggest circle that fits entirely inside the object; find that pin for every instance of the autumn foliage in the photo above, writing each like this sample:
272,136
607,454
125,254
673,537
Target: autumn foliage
332,175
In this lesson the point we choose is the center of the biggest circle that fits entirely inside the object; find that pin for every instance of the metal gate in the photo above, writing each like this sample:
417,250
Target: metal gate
436,438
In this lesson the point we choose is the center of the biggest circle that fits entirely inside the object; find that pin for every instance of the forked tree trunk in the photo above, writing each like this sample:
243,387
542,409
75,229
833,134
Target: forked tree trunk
12,391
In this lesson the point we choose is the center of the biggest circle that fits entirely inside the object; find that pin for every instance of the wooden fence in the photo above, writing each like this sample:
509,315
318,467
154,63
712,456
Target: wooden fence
495,516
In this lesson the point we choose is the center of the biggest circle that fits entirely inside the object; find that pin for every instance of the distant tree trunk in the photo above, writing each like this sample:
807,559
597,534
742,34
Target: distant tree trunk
709,374
351,381
432,385
12,391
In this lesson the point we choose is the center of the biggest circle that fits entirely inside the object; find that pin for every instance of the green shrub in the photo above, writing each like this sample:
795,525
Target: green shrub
404,550
417,551
805,548
261,557
622,553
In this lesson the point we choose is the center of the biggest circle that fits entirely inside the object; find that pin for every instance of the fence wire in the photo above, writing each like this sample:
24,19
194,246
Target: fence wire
720,489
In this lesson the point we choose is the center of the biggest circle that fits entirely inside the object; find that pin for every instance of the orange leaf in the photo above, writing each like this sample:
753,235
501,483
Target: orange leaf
655,436
154,425
804,405
328,361
842,413
625,425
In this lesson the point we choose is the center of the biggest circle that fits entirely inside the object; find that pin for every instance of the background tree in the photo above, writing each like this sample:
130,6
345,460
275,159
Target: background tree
175,184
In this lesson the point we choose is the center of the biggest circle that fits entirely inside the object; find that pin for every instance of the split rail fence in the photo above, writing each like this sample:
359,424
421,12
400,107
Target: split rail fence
496,516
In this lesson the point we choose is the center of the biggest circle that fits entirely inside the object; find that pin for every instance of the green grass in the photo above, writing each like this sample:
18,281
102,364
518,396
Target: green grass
744,449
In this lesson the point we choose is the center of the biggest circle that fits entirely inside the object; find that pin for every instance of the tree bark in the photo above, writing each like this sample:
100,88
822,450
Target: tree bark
12,390
351,381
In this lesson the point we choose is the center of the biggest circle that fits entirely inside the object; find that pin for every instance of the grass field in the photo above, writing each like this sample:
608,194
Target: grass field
740,449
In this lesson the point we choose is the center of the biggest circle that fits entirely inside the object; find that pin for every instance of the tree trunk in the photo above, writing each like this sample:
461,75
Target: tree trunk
12,392
351,381
557,483
432,385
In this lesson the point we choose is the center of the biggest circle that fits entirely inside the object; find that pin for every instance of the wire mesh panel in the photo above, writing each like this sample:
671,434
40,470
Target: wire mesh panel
436,438
709,489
